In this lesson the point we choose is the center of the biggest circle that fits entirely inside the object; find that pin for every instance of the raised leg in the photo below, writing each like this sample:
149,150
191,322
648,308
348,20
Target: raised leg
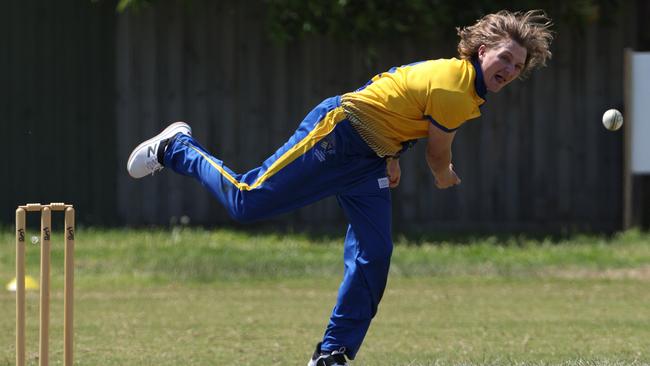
322,158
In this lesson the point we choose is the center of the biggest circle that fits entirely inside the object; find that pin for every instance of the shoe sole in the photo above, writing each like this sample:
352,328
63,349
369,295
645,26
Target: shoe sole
172,129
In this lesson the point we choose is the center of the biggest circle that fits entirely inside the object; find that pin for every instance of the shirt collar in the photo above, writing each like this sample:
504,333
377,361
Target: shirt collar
479,83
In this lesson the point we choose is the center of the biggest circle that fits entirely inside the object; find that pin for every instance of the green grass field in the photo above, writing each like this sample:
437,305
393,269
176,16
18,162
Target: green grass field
222,297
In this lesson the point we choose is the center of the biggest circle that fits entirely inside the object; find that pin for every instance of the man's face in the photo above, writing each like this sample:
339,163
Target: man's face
501,64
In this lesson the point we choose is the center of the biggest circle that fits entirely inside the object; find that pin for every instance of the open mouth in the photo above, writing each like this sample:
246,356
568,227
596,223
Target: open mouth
500,79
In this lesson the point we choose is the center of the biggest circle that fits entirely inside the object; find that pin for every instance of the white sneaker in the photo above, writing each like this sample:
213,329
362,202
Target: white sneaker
336,358
146,158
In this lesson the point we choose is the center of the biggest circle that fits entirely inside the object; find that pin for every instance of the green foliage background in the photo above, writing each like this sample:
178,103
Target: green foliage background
368,22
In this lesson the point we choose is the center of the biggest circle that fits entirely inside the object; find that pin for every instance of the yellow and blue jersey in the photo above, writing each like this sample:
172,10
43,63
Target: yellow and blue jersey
397,106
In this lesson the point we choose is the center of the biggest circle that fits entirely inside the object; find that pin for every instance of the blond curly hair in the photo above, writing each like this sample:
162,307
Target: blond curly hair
531,30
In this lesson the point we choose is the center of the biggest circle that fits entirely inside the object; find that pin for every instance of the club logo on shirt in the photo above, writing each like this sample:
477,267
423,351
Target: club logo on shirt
383,182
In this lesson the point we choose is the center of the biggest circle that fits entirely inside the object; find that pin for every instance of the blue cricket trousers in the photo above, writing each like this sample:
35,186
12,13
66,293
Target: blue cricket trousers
324,157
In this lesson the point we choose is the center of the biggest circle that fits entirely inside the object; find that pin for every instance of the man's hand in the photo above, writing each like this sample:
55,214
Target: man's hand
394,172
446,178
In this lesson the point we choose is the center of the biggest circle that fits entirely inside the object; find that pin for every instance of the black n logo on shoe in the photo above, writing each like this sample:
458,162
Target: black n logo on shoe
151,150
